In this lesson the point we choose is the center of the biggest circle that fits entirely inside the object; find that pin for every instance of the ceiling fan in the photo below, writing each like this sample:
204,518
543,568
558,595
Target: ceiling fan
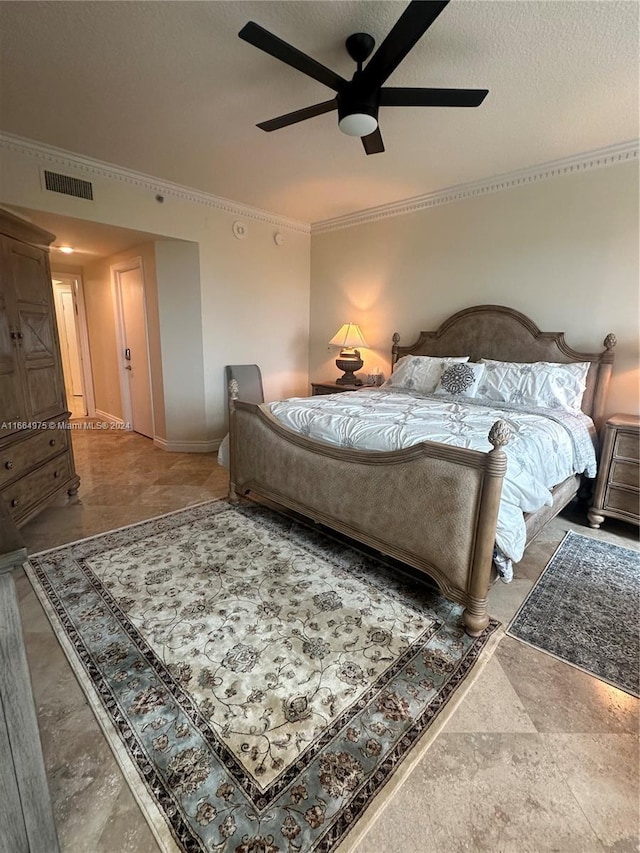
358,100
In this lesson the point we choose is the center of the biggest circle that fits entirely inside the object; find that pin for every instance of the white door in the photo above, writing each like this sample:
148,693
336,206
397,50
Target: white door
69,347
68,313
135,352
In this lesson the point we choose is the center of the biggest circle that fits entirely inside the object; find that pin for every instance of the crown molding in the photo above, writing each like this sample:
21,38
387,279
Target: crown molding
97,168
609,156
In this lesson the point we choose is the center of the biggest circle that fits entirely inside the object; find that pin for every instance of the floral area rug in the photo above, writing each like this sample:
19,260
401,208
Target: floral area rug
259,682
585,610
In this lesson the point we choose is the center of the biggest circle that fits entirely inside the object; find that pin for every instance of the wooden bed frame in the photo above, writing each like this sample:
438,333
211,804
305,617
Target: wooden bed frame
432,506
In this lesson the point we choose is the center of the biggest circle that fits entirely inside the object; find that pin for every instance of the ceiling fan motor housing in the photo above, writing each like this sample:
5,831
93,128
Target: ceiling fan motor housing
357,101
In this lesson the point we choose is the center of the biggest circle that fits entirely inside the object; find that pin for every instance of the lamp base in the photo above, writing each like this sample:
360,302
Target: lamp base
349,366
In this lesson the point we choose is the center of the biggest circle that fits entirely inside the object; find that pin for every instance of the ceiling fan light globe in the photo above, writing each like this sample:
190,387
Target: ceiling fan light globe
358,124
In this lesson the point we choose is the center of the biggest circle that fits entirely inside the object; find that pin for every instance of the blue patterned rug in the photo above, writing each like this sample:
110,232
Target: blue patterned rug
259,683
585,610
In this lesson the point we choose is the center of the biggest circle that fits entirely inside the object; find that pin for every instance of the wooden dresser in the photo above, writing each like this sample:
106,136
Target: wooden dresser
36,461
617,492
26,817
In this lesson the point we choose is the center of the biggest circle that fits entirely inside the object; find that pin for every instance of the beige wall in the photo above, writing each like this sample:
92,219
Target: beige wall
563,251
254,294
180,316
148,254
256,310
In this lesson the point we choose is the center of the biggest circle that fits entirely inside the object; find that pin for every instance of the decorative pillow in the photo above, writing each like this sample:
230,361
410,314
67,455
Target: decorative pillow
420,372
460,380
538,384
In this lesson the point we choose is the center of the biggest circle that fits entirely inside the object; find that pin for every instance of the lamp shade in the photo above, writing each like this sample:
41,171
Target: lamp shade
348,336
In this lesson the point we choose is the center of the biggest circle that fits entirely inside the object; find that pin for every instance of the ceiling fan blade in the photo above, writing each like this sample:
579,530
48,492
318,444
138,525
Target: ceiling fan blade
298,115
373,143
274,46
407,31
407,97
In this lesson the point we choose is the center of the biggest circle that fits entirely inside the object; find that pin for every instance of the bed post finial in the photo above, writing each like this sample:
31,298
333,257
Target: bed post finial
233,393
499,434
394,348
610,341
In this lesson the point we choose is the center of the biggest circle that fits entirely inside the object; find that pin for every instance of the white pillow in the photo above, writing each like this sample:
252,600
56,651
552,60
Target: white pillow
538,384
401,372
460,380
420,373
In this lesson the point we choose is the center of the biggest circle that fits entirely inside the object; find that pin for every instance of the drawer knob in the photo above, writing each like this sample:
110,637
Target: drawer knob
56,474
15,502
52,442
8,465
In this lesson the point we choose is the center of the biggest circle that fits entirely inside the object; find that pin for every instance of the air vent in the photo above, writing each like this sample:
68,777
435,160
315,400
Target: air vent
68,186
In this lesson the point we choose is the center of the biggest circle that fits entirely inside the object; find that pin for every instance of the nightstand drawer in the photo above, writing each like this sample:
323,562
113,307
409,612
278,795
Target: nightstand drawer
627,446
625,474
622,501
319,390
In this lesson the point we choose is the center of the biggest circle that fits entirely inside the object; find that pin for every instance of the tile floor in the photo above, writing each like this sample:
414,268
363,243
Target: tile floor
538,757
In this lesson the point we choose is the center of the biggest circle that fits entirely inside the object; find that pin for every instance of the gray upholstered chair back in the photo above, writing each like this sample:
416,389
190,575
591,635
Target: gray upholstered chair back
249,381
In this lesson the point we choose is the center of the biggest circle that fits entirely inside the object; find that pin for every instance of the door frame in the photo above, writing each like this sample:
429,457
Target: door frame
116,292
82,335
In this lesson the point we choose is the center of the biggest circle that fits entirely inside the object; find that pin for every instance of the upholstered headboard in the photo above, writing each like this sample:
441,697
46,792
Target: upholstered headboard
503,334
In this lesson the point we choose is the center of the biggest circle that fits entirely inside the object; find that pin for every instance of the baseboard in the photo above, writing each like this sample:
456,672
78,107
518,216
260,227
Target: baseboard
105,416
188,446
210,446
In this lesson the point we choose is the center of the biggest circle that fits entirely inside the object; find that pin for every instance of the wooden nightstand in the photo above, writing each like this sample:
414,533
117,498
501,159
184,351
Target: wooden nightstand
333,388
617,492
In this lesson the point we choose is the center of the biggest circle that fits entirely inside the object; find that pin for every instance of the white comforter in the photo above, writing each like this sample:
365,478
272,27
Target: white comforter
547,446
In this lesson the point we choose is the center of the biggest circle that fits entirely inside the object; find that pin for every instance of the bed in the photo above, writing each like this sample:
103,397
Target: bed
433,506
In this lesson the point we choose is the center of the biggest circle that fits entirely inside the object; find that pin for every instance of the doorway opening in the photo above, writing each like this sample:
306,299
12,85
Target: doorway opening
74,344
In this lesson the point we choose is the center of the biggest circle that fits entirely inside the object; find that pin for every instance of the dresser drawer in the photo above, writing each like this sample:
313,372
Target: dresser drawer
20,496
30,452
627,446
625,474
622,500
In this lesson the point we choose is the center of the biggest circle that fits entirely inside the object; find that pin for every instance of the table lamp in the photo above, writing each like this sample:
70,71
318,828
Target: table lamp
348,337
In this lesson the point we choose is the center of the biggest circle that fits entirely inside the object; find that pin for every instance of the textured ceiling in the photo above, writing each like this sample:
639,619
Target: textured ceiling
168,89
